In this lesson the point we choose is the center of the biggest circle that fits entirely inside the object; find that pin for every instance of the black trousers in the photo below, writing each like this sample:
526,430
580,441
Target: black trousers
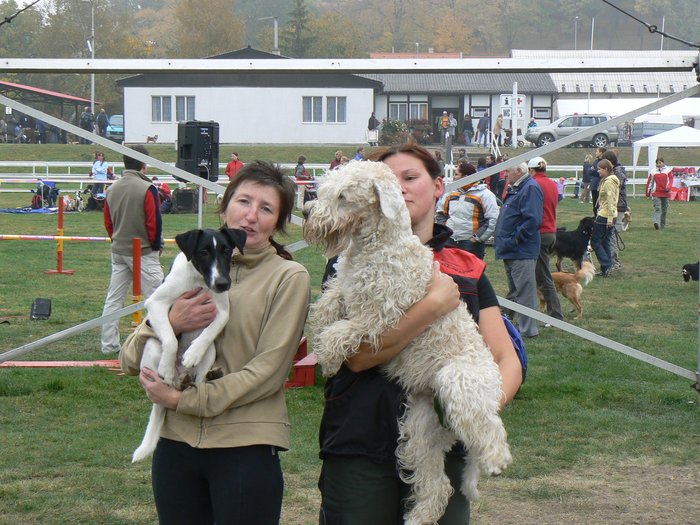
226,486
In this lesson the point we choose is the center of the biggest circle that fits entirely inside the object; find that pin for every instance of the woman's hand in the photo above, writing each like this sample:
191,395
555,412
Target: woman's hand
443,292
442,297
157,391
191,311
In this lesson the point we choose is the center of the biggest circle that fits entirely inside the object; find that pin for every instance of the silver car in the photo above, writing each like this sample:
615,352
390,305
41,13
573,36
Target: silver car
565,126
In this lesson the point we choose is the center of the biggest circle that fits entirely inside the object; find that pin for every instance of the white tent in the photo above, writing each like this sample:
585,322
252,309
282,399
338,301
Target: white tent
682,137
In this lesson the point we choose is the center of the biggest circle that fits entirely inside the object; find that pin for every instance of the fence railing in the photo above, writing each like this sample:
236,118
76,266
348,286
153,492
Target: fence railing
76,174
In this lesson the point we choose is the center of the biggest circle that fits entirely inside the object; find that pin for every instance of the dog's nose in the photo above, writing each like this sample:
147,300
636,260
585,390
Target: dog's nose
222,284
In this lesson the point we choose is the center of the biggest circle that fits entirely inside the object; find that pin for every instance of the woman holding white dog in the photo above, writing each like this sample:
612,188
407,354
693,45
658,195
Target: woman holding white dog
217,459
359,480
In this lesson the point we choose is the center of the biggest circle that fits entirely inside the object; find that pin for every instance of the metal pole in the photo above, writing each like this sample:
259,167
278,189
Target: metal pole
575,33
92,52
514,117
592,31
663,23
275,49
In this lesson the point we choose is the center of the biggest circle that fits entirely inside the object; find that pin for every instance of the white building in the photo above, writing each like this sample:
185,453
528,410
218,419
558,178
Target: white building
251,108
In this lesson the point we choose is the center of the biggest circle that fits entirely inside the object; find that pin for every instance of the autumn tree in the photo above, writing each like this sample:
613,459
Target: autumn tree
336,37
297,38
206,29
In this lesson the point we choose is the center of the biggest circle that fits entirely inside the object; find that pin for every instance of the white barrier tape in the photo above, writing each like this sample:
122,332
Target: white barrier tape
595,338
63,334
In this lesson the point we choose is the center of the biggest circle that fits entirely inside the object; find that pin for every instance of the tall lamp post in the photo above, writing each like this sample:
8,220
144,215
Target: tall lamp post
575,33
91,47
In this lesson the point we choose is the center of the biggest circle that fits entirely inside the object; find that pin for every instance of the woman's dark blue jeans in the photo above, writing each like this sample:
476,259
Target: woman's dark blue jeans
600,242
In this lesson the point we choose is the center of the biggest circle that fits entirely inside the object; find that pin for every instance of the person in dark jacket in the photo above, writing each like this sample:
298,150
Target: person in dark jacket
518,242
586,179
359,482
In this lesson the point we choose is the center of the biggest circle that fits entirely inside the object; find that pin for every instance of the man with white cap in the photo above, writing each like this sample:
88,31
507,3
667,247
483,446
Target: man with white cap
537,167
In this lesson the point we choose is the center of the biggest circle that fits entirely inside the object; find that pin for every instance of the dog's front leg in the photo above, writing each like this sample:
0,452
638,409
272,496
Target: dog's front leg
336,342
194,354
329,308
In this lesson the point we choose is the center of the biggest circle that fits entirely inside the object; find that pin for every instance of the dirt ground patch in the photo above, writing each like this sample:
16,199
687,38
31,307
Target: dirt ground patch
626,494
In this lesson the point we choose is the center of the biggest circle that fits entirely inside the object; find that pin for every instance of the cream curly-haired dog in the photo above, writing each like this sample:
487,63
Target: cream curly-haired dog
382,270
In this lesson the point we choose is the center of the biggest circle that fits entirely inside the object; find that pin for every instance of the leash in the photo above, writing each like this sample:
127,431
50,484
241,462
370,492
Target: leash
620,242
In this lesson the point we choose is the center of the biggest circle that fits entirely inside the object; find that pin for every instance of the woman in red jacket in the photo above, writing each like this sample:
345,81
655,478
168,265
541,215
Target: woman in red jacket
659,186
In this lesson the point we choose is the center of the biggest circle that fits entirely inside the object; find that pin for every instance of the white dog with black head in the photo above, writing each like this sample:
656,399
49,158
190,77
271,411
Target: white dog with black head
205,262
382,270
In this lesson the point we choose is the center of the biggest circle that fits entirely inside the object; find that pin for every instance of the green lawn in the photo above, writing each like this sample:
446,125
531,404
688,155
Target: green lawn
68,434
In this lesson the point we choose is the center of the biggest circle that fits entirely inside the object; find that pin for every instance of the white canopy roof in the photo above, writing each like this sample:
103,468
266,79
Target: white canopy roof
682,137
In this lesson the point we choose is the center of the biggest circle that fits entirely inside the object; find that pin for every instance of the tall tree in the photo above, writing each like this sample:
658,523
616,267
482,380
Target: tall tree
336,37
297,37
206,30
18,37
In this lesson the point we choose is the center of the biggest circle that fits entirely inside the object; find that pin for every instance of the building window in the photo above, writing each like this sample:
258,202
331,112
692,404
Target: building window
336,109
542,113
312,109
184,108
419,111
398,111
161,109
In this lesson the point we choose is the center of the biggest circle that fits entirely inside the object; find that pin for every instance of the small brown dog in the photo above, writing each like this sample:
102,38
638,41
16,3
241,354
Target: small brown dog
152,139
626,219
570,286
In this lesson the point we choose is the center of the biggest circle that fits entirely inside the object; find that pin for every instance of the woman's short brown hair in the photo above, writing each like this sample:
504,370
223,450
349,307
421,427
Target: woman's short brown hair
265,174
419,152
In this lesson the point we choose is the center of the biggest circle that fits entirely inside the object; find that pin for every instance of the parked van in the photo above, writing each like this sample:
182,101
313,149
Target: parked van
649,125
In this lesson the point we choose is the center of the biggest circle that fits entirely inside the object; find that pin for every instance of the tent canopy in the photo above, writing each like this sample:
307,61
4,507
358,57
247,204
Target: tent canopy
682,137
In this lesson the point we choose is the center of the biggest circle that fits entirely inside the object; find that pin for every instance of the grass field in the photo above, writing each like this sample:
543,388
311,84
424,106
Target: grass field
597,437
314,154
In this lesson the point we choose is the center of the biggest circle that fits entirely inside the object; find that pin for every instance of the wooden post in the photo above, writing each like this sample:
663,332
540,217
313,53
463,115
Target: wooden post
59,252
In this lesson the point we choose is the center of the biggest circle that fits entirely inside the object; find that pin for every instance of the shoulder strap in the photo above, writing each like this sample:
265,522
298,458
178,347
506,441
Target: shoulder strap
518,344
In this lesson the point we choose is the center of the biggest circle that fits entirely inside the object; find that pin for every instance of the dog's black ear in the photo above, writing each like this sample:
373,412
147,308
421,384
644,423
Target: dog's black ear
187,242
238,237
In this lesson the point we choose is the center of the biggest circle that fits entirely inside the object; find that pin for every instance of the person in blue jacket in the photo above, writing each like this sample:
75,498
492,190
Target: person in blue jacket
518,242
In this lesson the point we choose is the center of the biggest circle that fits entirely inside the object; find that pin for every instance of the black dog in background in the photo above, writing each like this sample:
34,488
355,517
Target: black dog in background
690,271
574,244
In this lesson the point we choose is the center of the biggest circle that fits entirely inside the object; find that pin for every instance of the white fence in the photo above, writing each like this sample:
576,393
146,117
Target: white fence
73,175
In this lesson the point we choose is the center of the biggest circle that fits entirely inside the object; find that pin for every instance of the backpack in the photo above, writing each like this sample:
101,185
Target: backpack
37,202
518,343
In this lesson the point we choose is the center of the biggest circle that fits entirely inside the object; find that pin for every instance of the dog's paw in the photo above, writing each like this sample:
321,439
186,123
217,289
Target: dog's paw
214,373
192,356
495,460
190,359
184,380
